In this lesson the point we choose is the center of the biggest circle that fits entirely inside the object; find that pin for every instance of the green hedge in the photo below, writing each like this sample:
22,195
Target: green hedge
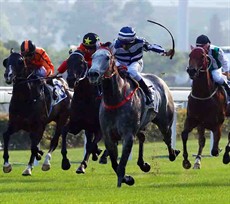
21,139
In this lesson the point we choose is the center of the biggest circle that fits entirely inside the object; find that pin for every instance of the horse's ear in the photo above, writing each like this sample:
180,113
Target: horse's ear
192,47
11,50
5,62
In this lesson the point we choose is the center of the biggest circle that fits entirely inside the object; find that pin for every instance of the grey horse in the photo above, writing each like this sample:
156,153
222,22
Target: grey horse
124,115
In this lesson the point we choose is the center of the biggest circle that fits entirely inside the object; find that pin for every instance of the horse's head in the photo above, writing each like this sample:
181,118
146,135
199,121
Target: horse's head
14,65
76,68
198,62
101,66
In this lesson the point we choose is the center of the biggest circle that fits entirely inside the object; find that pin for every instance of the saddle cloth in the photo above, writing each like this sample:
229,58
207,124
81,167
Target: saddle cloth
156,100
58,91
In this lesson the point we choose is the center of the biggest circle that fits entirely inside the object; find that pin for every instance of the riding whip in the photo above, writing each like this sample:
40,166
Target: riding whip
173,43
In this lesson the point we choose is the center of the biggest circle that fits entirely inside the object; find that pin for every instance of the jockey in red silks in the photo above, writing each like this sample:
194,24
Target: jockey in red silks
90,44
38,58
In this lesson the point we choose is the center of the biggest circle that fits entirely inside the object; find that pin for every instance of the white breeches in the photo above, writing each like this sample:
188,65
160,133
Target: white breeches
134,69
218,77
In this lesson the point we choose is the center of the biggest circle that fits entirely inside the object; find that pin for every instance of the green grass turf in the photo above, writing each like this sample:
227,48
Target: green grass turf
167,182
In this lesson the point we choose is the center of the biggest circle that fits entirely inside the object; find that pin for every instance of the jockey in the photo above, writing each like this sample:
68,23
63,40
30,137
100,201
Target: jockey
37,57
90,44
128,51
219,61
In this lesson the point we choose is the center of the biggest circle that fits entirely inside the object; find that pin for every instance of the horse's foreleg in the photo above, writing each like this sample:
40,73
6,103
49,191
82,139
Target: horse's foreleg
65,161
88,150
226,157
201,141
7,167
126,150
112,150
140,162
186,162
35,152
95,150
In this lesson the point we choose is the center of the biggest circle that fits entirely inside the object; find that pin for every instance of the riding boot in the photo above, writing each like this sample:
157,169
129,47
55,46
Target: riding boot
227,88
145,88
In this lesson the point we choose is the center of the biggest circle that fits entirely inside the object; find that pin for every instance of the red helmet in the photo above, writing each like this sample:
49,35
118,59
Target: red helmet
27,48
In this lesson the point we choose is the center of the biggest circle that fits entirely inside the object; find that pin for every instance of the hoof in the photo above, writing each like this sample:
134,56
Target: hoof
103,160
7,168
197,166
65,164
226,158
40,152
173,156
38,157
94,157
46,167
27,172
215,152
129,180
145,167
186,164
81,169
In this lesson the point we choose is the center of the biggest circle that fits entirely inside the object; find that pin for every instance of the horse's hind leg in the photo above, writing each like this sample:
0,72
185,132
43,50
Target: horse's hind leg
226,157
53,144
216,137
65,161
143,166
7,167
201,140
168,141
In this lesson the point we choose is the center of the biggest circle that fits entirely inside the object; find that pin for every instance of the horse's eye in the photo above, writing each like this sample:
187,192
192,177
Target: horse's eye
107,58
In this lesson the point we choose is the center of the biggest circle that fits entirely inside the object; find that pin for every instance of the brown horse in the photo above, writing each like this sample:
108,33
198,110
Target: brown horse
206,106
124,115
31,108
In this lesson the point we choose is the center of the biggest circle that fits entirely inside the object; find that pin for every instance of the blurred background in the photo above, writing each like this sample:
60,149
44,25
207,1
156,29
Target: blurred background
56,25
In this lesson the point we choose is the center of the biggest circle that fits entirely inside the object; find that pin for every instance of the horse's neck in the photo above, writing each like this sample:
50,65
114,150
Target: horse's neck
203,86
114,89
84,90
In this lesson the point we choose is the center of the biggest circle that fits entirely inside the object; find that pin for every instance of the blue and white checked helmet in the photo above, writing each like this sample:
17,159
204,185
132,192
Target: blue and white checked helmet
127,34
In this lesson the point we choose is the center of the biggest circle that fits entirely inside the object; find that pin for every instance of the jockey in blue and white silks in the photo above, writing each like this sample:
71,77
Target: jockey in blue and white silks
128,51
219,62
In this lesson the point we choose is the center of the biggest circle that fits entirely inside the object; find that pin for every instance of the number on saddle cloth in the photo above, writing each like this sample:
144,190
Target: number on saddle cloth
58,92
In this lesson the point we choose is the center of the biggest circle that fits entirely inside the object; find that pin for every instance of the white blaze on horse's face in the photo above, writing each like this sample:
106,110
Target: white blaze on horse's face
9,74
100,64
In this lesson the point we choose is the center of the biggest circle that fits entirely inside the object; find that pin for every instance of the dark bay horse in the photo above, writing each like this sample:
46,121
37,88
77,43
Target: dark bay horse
84,113
123,113
206,107
31,110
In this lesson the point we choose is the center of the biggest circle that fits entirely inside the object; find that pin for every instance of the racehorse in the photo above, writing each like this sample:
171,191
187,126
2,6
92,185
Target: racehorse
123,113
84,114
31,109
206,107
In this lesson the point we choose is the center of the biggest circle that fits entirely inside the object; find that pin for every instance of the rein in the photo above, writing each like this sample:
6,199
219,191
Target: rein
203,71
125,100
113,73
204,98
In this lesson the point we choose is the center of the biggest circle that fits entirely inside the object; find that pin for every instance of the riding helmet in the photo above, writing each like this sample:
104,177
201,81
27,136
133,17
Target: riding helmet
90,40
127,35
27,47
202,40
